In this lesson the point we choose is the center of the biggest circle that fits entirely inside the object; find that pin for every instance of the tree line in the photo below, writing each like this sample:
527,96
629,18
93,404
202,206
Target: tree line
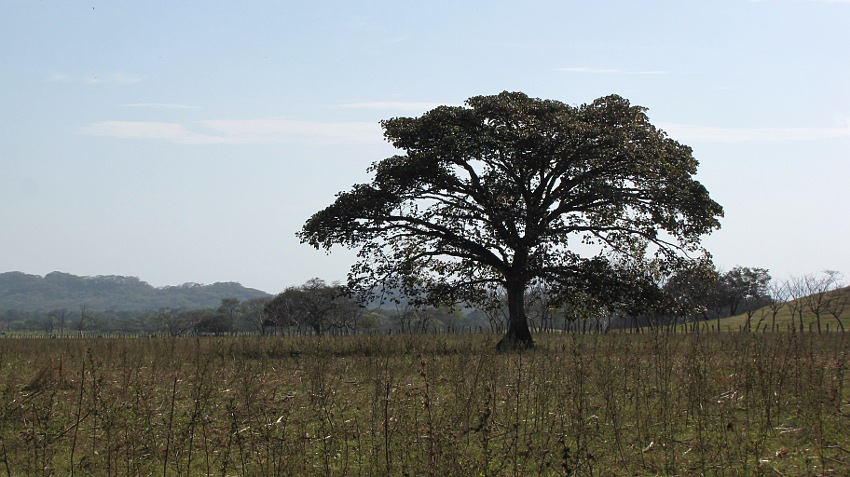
700,294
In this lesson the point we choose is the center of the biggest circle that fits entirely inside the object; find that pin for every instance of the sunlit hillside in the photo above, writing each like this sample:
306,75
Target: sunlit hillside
834,308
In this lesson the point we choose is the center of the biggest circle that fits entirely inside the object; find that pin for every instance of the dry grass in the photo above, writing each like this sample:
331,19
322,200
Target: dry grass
649,404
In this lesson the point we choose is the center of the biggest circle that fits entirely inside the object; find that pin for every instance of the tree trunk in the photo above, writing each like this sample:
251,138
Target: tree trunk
519,335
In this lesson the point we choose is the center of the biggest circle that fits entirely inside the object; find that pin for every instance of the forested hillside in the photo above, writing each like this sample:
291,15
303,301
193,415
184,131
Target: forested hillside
21,291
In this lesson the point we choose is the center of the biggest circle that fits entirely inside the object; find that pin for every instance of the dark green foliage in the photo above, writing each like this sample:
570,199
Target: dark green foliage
512,190
314,306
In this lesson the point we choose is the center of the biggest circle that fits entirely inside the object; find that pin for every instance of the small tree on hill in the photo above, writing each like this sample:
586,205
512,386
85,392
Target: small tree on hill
820,292
836,306
746,289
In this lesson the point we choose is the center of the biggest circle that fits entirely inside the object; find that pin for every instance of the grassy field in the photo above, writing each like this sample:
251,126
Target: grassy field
607,405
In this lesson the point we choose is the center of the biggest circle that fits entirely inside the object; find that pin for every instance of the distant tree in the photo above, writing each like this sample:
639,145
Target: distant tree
347,313
495,309
795,293
214,323
172,321
643,299
252,314
59,316
746,289
499,193
314,305
229,309
581,311
370,321
425,319
837,305
541,306
83,315
777,299
818,291
404,318
198,320
453,320
695,290
281,311
412,310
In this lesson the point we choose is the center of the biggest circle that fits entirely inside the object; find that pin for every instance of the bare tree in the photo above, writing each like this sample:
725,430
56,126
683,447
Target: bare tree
423,318
795,292
347,313
818,289
229,309
253,315
404,319
82,322
541,307
496,311
837,304
778,294
59,316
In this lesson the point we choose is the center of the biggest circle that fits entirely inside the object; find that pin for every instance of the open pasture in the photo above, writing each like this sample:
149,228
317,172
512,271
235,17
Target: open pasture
617,404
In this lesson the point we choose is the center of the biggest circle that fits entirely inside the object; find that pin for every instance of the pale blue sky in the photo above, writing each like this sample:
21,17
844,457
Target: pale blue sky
188,141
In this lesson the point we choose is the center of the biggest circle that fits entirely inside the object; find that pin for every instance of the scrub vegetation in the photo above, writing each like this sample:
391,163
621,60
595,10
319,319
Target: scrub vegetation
651,403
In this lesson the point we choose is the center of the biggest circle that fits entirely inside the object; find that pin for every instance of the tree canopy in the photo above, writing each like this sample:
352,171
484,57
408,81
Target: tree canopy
510,190
315,305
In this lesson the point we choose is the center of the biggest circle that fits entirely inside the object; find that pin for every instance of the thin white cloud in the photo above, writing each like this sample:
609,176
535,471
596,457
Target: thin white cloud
251,131
159,106
281,129
686,132
611,71
57,77
393,105
802,1
396,40
173,132
117,78
111,78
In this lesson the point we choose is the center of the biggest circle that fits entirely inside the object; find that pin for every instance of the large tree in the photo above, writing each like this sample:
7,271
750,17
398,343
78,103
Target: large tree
511,189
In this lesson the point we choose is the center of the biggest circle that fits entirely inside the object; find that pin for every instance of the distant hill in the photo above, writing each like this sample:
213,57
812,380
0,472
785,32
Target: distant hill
20,291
